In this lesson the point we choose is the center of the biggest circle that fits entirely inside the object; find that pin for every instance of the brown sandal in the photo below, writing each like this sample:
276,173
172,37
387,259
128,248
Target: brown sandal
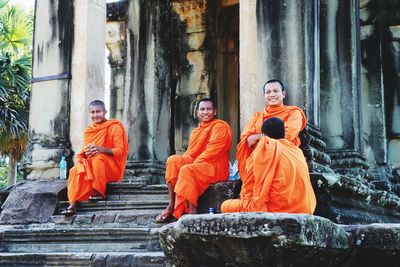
68,212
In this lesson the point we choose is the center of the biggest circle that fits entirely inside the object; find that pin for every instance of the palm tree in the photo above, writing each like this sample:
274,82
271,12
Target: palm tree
15,73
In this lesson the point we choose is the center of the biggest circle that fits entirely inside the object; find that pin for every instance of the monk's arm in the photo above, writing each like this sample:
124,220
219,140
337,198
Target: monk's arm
294,125
220,140
249,135
253,139
118,136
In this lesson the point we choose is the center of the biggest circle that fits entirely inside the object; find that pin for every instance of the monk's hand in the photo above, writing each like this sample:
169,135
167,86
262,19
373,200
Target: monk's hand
253,139
92,150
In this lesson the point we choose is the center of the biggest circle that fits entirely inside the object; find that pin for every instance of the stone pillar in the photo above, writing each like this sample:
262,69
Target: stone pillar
87,64
49,108
249,91
147,102
373,108
287,48
394,97
341,124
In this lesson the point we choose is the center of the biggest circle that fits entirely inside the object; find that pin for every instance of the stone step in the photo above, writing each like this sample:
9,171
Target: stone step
69,239
119,219
158,203
145,259
131,189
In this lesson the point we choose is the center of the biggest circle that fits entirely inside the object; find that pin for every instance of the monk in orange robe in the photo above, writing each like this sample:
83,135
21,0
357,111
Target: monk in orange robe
277,177
292,116
205,161
101,161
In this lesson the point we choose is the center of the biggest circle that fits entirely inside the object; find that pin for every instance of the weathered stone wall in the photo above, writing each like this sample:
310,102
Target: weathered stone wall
50,99
191,65
147,90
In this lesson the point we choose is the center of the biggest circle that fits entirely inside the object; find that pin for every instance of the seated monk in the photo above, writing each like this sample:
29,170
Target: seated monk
205,161
101,161
292,116
277,178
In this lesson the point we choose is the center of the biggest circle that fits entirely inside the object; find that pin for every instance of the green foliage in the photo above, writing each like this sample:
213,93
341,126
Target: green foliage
16,28
3,173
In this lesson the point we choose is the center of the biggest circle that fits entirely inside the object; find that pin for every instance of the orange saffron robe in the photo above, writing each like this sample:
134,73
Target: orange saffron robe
293,118
277,180
94,172
205,161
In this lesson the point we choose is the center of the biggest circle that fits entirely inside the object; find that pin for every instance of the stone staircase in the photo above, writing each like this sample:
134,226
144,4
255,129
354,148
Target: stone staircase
117,232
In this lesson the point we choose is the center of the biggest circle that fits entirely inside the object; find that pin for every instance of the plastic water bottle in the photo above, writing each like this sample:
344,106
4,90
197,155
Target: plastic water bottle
210,210
63,168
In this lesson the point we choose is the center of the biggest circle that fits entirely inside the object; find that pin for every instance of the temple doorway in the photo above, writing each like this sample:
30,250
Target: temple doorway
227,69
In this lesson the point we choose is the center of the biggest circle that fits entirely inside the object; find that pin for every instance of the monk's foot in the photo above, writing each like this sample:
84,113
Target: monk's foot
165,216
71,210
192,209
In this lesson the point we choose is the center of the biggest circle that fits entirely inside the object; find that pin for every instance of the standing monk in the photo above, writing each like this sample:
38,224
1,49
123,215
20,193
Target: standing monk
277,177
101,161
292,116
205,161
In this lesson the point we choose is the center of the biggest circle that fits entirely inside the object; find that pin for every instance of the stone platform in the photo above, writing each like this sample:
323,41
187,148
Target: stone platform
121,231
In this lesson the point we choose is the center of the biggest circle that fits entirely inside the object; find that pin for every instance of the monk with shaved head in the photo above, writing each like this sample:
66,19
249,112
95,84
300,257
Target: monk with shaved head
102,159
205,161
277,177
293,117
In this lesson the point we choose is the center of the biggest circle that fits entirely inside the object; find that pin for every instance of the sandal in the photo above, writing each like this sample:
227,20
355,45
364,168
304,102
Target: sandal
68,212
96,198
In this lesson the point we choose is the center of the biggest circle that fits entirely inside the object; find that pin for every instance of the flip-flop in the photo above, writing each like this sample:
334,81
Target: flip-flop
96,198
68,212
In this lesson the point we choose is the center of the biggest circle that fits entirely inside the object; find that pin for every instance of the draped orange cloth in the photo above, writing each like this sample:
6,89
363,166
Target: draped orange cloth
94,172
205,161
277,180
293,118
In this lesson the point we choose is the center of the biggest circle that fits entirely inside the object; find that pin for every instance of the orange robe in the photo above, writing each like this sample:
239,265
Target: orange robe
277,180
293,118
205,161
94,172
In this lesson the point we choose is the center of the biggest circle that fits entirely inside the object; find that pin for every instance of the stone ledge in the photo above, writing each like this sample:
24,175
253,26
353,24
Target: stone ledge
374,245
347,200
254,239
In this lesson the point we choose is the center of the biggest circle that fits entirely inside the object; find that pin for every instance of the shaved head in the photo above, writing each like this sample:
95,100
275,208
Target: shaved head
274,128
98,103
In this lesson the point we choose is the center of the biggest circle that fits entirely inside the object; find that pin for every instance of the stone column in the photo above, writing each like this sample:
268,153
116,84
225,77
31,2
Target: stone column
87,64
147,102
394,82
49,108
373,108
287,48
341,121
249,91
